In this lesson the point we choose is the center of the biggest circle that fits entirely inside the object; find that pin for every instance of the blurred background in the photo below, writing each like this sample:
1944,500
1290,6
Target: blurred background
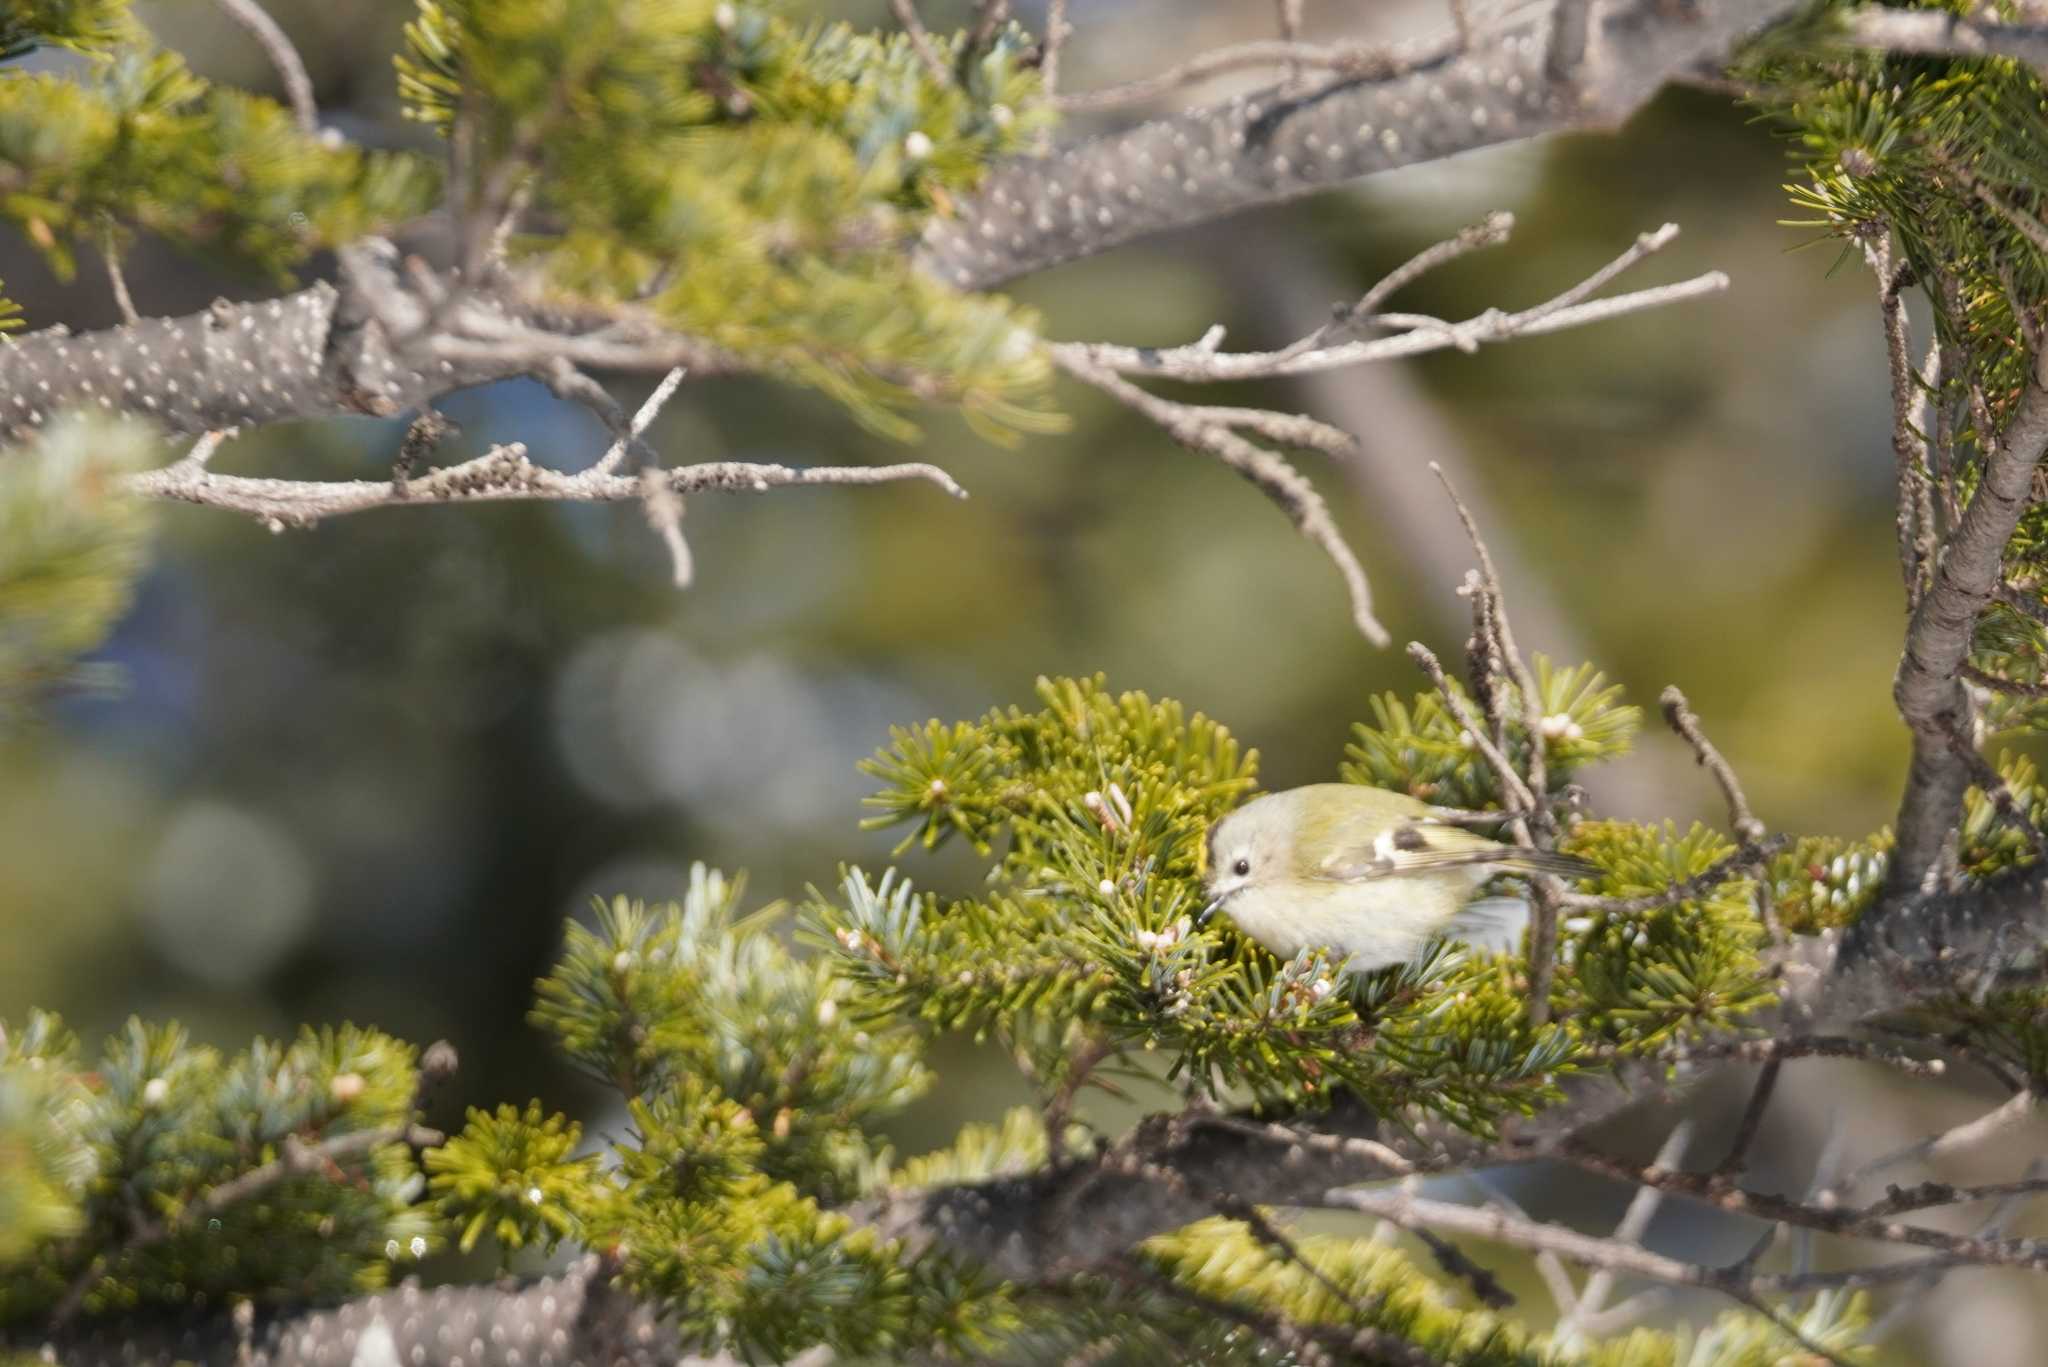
366,772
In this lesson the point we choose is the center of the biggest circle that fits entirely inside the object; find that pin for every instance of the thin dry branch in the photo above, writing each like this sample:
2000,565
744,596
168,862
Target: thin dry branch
1204,361
1613,1254
1929,688
1909,450
1267,471
277,45
1513,788
502,474
1714,1190
1678,714
1945,33
1369,61
1492,231
1057,30
921,40
1947,1143
1298,138
1733,865
110,253
1634,1224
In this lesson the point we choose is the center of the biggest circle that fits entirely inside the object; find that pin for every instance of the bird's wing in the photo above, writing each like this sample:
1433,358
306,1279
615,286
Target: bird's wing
1413,847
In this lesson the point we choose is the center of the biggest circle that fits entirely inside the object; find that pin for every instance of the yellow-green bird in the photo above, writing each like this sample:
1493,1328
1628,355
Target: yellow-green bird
1369,874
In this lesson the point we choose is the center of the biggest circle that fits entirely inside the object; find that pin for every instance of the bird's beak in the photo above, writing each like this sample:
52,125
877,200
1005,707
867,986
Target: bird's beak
1208,911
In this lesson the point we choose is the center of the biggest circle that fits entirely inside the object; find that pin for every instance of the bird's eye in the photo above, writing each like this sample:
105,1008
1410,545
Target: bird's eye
1241,867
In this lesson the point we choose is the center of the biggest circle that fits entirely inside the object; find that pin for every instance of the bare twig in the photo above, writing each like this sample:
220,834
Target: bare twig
1206,363
1348,1146
1570,23
1957,1139
1786,1047
1512,787
1710,1189
1734,865
291,69
1491,231
297,1159
1266,470
1056,30
1087,1055
1679,715
502,474
664,508
921,41
1504,655
1909,451
1290,18
1945,33
1541,819
2019,688
1557,1279
1411,1212
656,401
1645,245
990,15
1344,61
1635,1223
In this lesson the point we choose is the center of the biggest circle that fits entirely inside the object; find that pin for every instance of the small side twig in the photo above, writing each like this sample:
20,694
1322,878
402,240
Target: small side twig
1681,718
1491,231
1348,60
1512,787
291,68
921,41
1267,471
1570,29
1056,30
1996,790
1634,1224
1908,449
110,252
298,1157
1760,1093
656,401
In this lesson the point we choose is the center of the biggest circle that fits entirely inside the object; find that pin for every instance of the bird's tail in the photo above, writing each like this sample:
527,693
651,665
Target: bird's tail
1547,861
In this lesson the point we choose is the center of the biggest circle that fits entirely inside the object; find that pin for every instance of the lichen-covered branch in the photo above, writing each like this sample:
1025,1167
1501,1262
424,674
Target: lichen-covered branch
1287,141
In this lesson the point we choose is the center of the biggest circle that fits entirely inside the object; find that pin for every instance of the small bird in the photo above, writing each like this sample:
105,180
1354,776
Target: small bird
1366,873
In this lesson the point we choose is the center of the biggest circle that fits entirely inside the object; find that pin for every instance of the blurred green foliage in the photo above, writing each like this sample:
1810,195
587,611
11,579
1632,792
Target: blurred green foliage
73,542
